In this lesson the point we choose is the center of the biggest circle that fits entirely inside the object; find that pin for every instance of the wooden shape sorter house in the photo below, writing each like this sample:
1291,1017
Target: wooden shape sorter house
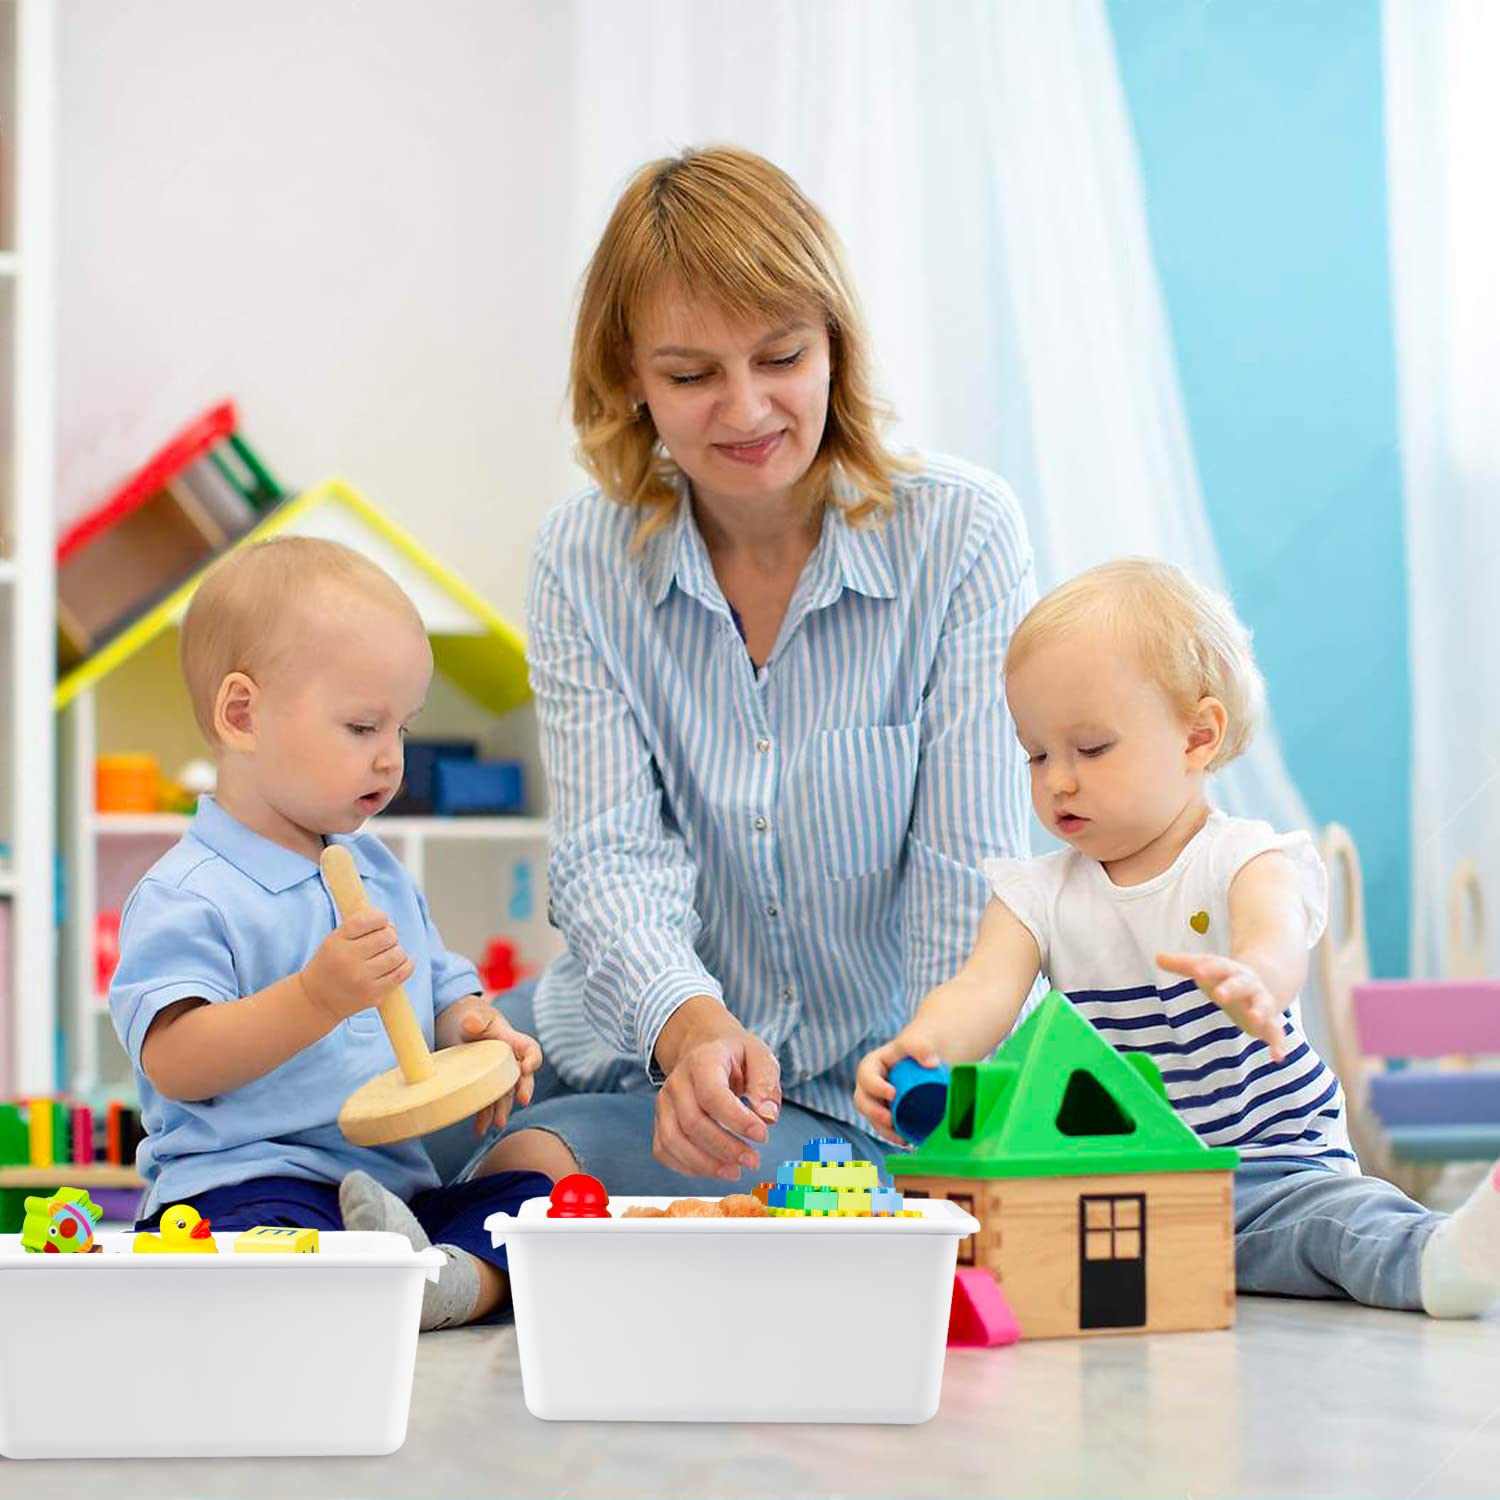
1102,1212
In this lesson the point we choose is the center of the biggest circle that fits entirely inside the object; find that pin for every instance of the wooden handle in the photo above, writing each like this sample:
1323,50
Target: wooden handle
396,1014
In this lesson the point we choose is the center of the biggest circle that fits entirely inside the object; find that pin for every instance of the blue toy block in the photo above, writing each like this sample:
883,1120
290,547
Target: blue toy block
786,1173
884,1200
921,1099
474,787
422,755
828,1148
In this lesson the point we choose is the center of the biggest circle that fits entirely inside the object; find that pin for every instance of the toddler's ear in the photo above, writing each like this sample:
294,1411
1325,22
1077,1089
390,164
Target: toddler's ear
1206,730
234,711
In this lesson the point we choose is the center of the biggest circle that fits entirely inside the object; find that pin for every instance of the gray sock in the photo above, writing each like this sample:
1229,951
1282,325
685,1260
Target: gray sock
446,1302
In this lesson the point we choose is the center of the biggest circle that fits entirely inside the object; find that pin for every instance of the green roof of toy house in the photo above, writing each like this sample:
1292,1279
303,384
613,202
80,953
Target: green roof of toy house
1058,1101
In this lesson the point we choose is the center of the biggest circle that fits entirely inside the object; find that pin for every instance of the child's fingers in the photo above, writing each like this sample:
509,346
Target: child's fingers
362,923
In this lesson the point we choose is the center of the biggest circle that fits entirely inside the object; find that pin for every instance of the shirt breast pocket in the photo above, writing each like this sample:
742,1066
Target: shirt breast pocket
864,782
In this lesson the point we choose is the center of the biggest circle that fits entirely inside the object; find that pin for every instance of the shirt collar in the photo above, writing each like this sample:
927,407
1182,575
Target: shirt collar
847,557
269,865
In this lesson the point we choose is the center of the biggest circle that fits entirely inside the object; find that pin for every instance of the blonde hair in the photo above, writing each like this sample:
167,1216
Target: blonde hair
1188,639
242,615
726,225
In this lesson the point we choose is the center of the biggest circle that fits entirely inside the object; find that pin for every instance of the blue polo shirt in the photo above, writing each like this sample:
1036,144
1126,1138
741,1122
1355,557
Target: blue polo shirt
223,914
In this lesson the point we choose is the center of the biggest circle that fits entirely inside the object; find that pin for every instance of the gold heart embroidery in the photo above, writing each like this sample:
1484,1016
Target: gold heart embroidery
1199,921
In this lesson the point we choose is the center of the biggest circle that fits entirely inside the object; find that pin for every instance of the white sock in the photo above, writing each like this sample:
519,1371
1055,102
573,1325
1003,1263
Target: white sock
1461,1260
446,1302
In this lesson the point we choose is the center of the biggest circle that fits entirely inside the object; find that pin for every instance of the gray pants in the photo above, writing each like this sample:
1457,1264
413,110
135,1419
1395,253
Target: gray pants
1307,1231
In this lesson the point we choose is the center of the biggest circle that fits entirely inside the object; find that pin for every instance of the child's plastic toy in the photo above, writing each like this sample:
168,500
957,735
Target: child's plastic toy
126,784
276,1239
980,1317
499,970
106,949
1102,1211
183,1231
427,1090
474,788
578,1196
62,1224
921,1098
827,1181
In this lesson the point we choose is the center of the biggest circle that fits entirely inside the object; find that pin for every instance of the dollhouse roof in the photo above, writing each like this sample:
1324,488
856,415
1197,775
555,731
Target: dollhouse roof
1056,1101
471,644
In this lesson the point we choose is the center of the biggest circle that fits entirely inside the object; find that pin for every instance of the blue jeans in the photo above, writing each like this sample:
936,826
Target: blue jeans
1308,1231
610,1134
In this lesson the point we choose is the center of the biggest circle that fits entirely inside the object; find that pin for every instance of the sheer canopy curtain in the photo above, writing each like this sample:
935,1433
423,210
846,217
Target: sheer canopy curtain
1442,121
977,159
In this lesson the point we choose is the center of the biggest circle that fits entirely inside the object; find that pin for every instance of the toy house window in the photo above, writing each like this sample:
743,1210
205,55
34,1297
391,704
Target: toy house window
964,1201
1088,1108
1113,1227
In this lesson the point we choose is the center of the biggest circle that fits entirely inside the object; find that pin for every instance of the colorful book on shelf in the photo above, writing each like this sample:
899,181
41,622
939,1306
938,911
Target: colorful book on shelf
7,1021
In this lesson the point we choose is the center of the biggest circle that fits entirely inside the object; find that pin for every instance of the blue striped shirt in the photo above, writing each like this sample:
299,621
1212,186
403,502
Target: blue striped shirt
802,842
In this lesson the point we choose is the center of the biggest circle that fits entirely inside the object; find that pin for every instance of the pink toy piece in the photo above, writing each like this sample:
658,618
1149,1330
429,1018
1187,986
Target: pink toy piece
1427,1018
980,1318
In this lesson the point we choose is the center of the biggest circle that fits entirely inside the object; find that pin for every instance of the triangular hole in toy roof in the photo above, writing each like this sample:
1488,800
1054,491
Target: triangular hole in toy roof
1088,1108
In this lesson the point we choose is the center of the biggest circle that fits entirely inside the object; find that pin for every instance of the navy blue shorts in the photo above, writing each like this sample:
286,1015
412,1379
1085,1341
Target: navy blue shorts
450,1215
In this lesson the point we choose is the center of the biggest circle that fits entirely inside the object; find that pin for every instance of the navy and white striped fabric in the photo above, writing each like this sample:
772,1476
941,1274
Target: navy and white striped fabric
803,841
1099,943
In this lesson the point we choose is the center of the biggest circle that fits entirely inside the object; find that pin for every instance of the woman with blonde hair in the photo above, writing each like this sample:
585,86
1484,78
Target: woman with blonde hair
767,655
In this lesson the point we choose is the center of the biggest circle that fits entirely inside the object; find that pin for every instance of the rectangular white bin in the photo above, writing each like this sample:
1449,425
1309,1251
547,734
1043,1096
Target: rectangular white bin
732,1320
118,1355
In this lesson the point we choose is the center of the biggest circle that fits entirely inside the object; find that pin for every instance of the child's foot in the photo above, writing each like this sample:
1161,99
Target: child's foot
451,1299
1461,1260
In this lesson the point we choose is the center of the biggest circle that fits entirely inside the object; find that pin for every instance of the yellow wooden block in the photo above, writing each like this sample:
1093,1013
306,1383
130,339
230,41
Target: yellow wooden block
274,1239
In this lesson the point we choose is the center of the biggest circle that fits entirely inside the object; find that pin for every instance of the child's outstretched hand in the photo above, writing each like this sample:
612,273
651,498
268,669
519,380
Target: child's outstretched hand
1237,989
485,1024
356,966
873,1089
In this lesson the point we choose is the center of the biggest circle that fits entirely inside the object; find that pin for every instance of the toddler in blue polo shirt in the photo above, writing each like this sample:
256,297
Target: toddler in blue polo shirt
245,1005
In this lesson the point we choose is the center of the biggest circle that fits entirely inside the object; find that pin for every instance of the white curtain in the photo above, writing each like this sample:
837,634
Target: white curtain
1442,58
977,159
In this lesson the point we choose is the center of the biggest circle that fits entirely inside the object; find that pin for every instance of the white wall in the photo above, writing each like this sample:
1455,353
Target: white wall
348,215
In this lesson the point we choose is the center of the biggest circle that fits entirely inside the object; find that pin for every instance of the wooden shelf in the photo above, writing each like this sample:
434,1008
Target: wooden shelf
65,1174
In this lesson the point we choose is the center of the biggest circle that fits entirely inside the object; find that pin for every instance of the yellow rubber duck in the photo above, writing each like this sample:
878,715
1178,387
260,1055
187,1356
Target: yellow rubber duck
183,1232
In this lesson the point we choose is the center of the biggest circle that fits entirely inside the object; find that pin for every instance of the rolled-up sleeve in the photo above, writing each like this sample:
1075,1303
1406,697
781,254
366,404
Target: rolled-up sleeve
971,797
173,946
622,883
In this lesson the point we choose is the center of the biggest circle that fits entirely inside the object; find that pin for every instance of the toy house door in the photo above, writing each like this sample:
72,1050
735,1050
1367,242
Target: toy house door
1112,1260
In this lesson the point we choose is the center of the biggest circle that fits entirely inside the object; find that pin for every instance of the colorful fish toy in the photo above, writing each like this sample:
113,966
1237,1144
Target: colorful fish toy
62,1224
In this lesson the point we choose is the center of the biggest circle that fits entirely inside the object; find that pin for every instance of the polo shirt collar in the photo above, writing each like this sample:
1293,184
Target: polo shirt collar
269,865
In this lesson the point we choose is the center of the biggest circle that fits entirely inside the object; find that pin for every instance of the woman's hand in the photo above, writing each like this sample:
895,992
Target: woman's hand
712,1062
476,1020
873,1089
1238,990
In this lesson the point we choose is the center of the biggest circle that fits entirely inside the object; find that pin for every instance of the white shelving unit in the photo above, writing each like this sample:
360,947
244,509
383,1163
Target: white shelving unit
28,988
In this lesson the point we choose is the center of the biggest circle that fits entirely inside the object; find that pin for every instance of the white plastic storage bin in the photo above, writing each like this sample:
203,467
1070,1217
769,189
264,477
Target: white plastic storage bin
118,1355
732,1320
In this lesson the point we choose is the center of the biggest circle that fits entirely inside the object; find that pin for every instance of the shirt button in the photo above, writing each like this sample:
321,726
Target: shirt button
760,823
786,994
773,911
762,744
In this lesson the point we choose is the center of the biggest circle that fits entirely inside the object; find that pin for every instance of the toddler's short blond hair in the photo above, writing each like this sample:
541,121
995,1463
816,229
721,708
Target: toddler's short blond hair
244,615
1188,639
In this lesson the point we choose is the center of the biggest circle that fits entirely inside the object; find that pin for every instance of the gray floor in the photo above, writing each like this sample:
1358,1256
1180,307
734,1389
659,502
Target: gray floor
1301,1398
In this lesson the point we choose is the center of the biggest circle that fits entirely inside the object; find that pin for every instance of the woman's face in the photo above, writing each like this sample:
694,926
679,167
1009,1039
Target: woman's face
740,407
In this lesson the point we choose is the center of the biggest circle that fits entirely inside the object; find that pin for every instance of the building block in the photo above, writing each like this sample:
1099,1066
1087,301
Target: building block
39,1132
277,1239
980,1317
828,1148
